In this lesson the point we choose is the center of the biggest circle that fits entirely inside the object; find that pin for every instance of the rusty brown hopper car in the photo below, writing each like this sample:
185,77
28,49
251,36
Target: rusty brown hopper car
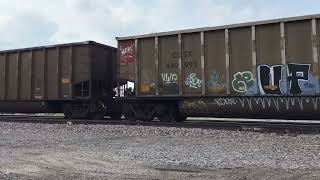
265,68
57,78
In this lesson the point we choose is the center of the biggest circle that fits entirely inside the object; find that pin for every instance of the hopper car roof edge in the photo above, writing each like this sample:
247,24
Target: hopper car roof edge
56,45
194,30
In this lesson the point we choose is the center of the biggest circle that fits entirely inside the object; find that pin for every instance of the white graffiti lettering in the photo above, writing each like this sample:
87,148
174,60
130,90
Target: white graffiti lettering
279,102
225,101
169,78
127,50
193,82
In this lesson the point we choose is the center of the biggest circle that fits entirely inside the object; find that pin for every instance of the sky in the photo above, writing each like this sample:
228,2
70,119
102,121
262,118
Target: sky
45,22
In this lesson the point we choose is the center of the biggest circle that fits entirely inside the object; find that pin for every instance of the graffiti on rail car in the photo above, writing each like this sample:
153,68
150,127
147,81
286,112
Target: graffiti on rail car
169,78
297,74
279,103
292,79
193,81
224,101
217,83
242,81
169,83
127,52
276,80
148,86
256,104
199,105
269,78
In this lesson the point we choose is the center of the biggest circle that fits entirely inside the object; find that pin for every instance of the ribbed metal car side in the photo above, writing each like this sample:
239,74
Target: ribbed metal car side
45,77
264,66
56,72
228,60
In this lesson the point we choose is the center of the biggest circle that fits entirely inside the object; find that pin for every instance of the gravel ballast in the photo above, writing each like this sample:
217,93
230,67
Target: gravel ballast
62,151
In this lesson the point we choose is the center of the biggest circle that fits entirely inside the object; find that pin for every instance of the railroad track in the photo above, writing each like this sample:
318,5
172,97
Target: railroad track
261,125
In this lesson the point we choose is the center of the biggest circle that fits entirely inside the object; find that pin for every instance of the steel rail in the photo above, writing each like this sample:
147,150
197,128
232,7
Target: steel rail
260,126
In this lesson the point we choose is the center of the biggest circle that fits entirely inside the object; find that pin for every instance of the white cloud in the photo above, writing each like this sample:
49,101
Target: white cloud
40,22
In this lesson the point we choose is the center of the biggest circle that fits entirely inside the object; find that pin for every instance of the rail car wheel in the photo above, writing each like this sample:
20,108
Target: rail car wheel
97,116
168,115
97,110
180,118
67,110
130,116
145,112
147,118
116,116
128,113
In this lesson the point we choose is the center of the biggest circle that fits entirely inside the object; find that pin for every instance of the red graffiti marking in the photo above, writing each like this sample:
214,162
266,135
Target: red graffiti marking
126,52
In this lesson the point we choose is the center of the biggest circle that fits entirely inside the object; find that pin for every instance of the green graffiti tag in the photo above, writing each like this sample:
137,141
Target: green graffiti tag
195,104
242,81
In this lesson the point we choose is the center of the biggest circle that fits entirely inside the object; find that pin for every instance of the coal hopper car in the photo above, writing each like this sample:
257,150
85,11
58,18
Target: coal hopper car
75,79
267,69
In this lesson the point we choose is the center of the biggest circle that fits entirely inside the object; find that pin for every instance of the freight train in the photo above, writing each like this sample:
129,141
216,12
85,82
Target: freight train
76,79
257,69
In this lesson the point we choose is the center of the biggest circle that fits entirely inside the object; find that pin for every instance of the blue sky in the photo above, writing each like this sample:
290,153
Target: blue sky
43,22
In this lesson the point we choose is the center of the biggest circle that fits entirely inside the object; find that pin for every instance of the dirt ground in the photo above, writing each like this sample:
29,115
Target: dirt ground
37,152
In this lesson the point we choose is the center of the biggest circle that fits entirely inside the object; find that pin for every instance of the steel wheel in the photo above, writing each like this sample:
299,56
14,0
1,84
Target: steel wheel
67,110
168,116
116,116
